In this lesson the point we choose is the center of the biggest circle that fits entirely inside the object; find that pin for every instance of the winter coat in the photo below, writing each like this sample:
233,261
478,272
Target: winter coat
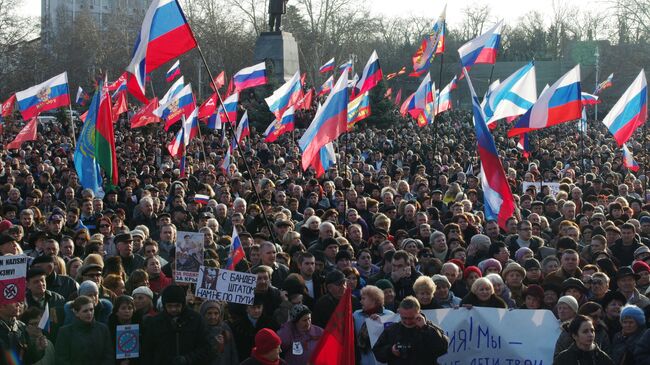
166,338
244,332
228,355
493,302
297,347
573,355
15,340
84,343
421,345
622,350
642,349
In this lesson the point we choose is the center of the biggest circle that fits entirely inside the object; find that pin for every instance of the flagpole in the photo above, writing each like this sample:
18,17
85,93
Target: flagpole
491,74
152,90
72,131
437,105
229,125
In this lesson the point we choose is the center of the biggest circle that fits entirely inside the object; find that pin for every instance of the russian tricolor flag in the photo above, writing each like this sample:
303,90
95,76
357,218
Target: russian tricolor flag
164,35
181,104
421,104
327,67
561,102
176,146
51,94
326,87
443,101
482,49
201,199
243,130
190,126
250,77
236,253
44,322
173,71
226,112
628,159
590,99
329,122
173,90
345,66
630,111
371,74
286,96
498,200
281,126
325,158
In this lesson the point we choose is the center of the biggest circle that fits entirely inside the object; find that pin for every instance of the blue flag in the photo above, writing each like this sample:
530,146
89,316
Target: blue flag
84,154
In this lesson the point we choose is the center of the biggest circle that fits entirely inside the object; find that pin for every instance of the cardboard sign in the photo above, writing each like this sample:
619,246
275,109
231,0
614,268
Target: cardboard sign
127,341
487,335
13,271
230,286
189,257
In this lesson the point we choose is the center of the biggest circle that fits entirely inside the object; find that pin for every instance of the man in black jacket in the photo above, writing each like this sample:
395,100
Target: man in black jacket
177,335
14,339
413,340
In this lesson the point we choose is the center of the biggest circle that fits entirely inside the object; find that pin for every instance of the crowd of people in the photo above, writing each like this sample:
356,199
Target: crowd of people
399,221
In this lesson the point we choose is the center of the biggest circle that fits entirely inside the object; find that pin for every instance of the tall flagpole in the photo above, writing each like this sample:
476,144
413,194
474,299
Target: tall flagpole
597,55
72,131
437,102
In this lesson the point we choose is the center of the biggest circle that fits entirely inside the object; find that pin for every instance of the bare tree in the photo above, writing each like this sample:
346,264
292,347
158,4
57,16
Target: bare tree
475,17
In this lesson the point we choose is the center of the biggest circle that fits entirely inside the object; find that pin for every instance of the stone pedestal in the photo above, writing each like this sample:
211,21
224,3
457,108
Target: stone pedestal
280,52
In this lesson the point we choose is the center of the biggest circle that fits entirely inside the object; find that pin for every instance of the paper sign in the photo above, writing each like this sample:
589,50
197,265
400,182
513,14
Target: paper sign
230,286
13,270
127,341
189,257
487,335
554,187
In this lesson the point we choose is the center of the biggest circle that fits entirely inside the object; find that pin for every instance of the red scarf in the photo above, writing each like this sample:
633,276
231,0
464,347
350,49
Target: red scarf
262,360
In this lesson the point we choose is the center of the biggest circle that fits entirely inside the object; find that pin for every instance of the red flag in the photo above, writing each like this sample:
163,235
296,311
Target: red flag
334,347
120,106
28,133
389,93
105,138
220,80
398,97
8,106
117,83
145,115
83,116
303,77
231,88
305,102
208,107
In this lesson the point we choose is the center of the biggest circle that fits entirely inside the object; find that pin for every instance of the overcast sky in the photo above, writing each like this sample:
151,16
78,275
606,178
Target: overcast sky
510,10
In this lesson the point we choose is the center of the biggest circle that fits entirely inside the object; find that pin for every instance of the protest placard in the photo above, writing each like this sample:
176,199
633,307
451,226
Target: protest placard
189,257
488,335
206,286
230,286
554,187
13,270
127,341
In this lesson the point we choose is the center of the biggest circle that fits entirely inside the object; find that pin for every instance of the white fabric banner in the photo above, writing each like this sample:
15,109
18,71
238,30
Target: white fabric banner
480,336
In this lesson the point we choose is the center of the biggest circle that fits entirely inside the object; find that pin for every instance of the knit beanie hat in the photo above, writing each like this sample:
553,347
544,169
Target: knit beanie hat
209,304
489,263
635,313
143,290
265,341
481,240
173,294
532,264
88,288
521,252
471,269
570,301
297,312
640,266
384,284
441,279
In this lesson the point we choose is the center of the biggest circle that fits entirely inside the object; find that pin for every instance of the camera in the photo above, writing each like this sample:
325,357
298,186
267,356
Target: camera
404,349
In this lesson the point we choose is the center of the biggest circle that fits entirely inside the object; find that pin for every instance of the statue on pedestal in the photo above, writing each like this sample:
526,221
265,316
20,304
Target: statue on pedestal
276,9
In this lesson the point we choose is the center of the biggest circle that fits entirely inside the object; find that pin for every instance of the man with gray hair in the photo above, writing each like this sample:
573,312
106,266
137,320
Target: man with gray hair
268,253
